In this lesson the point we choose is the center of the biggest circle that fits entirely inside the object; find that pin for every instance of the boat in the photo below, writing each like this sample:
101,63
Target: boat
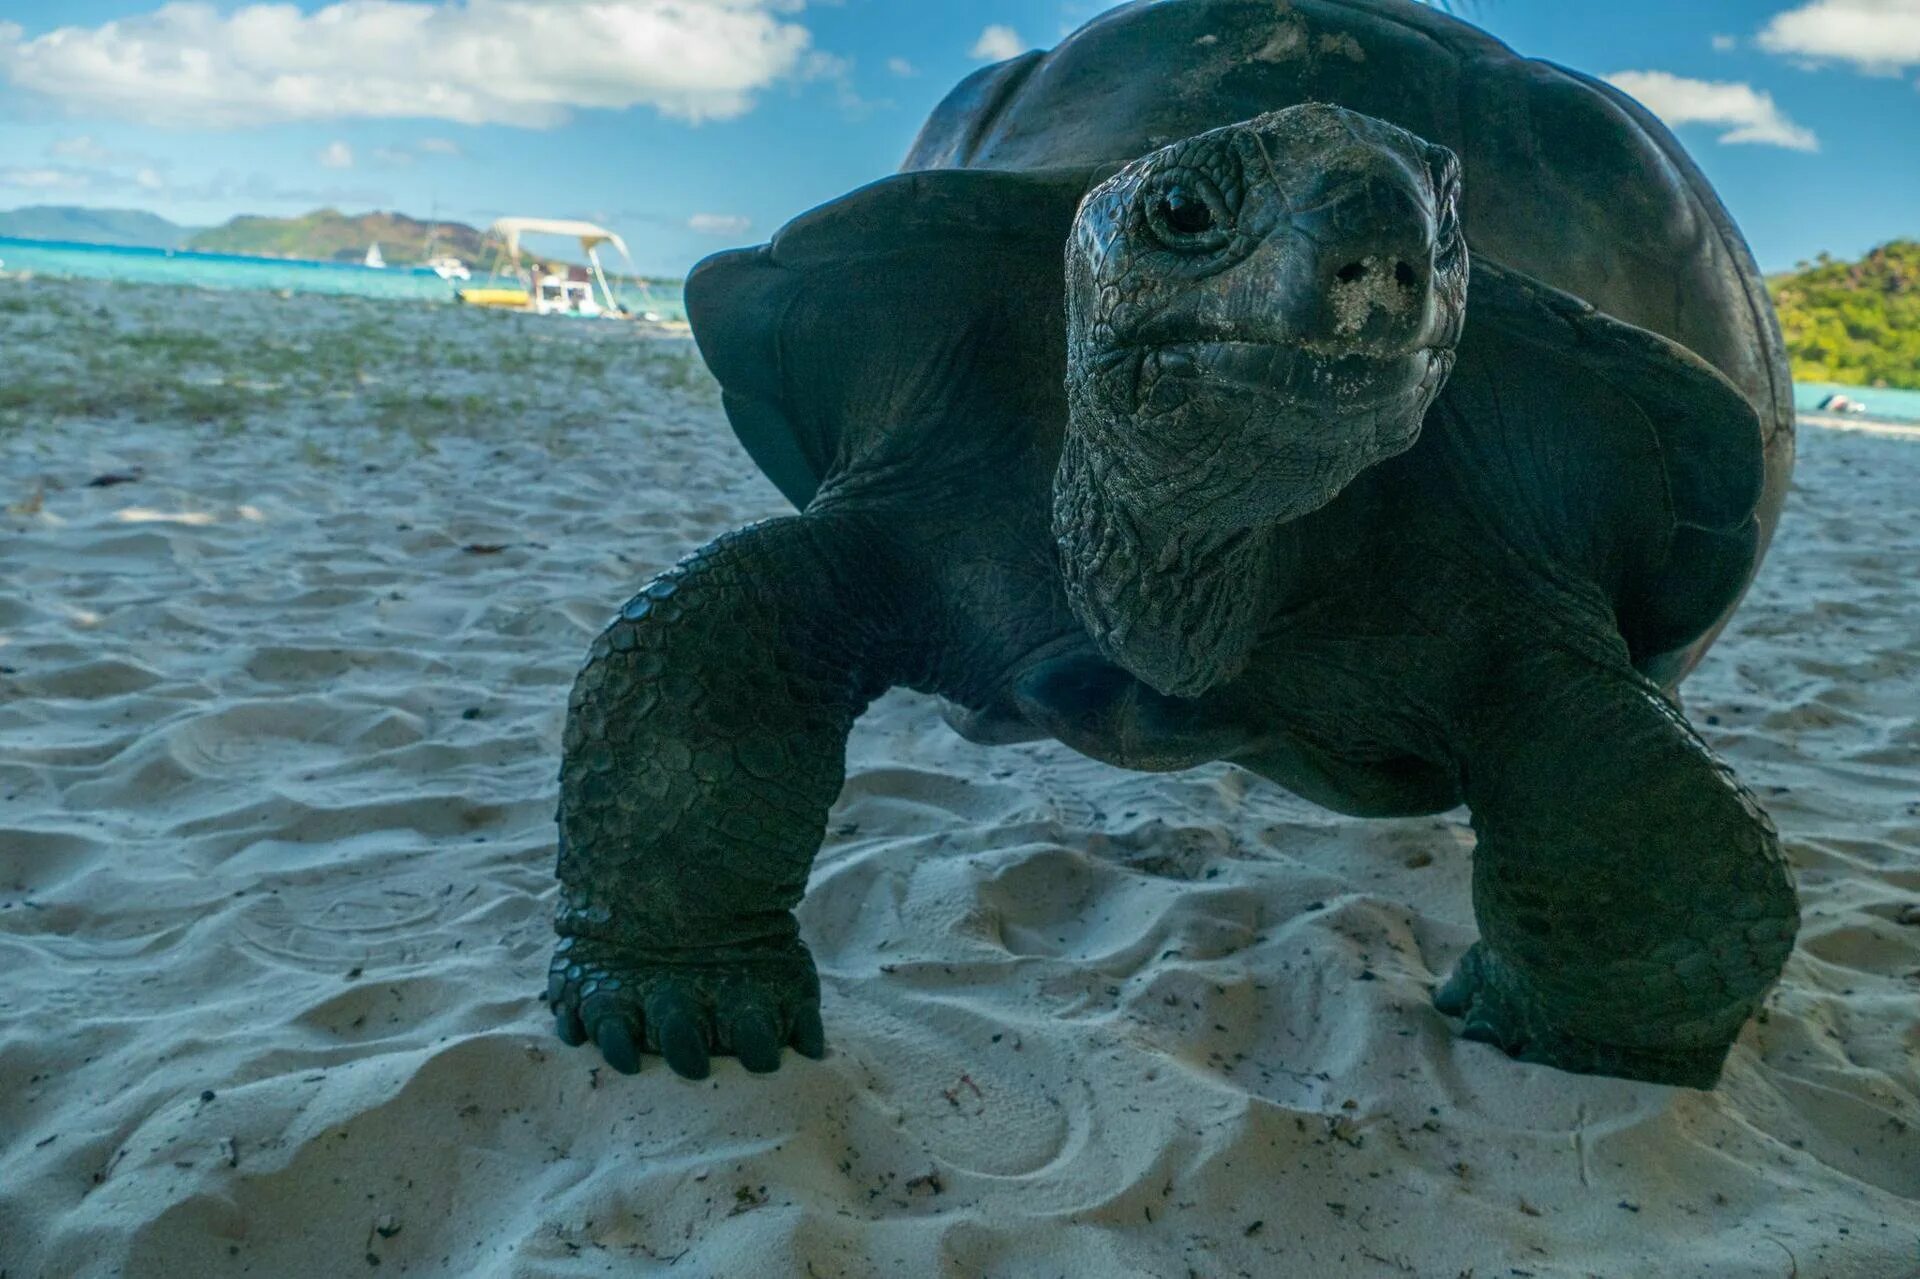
373,258
444,265
1837,403
553,288
447,267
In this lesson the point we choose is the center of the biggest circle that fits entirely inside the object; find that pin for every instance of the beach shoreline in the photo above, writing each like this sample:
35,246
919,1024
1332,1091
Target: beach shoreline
1863,422
44,262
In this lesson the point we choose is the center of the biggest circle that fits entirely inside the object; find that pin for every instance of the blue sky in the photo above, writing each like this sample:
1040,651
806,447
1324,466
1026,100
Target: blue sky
691,125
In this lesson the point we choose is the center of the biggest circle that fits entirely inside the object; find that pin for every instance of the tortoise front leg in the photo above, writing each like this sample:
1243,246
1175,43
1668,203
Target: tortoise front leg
705,741
1634,906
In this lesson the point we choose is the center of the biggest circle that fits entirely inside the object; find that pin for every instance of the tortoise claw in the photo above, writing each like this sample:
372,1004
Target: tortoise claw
809,1035
756,1041
1455,995
680,1037
615,1041
687,1006
1497,1010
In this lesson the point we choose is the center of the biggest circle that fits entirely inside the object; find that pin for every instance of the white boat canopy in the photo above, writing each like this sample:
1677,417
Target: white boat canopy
590,236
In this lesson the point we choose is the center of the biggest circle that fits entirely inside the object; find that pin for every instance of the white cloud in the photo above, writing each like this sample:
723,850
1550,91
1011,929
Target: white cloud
719,223
998,43
258,190
45,179
1725,44
1748,115
81,148
902,68
518,62
335,155
399,155
1877,36
121,173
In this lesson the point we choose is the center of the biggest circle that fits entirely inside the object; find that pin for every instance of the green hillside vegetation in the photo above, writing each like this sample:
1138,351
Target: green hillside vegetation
328,235
125,228
1856,323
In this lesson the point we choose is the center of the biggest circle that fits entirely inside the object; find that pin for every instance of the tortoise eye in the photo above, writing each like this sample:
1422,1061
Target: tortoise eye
1186,213
1446,190
1186,216
1447,240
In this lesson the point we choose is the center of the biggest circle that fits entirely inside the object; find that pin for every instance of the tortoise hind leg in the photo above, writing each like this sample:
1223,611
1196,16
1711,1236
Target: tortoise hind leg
1633,902
705,741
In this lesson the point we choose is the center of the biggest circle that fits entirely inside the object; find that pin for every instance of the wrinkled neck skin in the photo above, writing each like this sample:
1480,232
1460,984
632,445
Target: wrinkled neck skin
1245,336
1167,588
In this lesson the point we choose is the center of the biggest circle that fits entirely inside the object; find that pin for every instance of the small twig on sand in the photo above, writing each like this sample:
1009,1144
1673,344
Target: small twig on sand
1793,1262
1401,1264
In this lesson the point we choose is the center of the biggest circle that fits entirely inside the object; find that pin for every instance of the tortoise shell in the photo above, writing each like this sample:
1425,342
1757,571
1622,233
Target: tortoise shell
1583,213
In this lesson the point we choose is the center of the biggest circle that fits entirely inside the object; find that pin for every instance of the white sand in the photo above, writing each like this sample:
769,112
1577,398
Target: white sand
277,762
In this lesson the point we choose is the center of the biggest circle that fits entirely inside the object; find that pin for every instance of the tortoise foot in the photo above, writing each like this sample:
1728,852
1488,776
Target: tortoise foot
1497,1010
686,1003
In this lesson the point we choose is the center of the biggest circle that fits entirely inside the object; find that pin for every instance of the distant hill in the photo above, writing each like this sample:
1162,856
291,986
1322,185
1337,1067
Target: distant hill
1856,323
328,235
128,228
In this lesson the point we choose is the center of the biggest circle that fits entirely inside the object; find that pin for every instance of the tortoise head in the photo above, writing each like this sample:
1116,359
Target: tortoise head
1255,315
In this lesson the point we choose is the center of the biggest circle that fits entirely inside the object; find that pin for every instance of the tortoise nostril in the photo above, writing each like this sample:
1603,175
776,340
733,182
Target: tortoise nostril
1404,272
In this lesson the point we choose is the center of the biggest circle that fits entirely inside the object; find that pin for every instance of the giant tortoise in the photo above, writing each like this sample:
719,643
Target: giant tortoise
1317,386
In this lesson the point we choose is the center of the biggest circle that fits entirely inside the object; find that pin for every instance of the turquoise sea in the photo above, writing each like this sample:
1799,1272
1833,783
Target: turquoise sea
1882,404
64,259
228,271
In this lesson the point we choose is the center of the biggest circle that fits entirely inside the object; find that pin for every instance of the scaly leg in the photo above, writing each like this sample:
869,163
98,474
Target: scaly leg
705,742
1634,906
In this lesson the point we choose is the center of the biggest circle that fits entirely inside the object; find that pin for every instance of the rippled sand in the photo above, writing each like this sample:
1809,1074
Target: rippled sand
279,727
